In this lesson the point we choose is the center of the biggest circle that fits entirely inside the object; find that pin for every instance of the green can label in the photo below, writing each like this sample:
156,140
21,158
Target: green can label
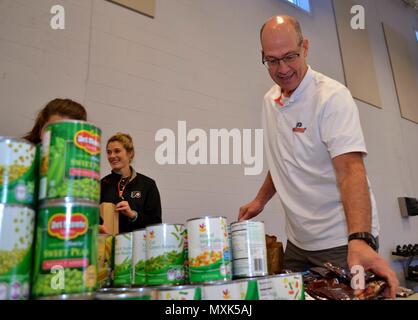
17,171
16,239
165,254
209,251
70,161
139,256
123,259
66,249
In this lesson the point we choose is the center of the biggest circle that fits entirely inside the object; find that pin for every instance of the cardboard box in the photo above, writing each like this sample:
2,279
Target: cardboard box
110,217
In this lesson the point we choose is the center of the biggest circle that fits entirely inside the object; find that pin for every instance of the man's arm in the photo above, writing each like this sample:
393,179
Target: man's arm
354,190
252,209
355,196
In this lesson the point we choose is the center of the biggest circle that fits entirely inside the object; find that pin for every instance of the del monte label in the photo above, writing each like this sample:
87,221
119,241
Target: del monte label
62,228
87,141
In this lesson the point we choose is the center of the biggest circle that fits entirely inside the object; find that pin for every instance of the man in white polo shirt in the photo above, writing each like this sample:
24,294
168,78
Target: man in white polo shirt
314,146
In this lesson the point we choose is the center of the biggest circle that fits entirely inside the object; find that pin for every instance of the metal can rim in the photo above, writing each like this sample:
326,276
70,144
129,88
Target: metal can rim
281,275
246,222
204,217
68,296
217,283
163,224
73,121
3,138
48,203
175,288
245,276
17,205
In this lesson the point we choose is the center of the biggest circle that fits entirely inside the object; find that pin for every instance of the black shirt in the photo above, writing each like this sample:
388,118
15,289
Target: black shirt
142,194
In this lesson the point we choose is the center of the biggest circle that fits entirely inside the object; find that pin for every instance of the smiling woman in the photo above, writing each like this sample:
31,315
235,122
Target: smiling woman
136,196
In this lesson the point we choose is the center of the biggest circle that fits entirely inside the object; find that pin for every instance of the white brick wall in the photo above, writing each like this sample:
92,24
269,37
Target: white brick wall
197,61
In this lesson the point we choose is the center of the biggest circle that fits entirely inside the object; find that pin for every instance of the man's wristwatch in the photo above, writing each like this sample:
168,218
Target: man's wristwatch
365,236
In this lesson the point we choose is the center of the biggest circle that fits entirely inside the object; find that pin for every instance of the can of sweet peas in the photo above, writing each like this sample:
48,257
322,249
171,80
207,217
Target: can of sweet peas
70,161
65,248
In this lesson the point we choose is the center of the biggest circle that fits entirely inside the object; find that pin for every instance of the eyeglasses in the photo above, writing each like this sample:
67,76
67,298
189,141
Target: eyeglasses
272,62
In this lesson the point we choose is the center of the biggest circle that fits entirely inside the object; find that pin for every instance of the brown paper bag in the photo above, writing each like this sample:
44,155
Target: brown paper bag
110,217
275,255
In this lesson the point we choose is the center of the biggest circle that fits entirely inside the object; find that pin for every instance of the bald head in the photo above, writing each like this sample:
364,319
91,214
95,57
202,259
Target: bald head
282,25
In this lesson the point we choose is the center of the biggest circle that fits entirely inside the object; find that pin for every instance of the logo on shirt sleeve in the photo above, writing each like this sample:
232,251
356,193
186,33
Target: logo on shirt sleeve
299,128
136,194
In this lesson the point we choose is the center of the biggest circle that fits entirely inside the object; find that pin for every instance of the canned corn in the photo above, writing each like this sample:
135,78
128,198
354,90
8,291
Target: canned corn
17,224
17,171
209,251
104,260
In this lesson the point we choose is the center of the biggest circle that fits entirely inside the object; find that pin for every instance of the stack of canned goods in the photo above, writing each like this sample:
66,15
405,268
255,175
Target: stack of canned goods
153,256
65,264
152,264
17,216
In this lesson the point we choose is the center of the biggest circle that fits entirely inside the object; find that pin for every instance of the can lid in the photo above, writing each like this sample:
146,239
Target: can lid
125,293
20,140
206,217
73,121
68,201
164,224
175,288
282,275
217,283
77,296
16,205
246,222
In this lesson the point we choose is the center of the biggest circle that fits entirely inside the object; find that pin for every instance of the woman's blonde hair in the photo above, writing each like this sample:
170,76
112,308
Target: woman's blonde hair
126,141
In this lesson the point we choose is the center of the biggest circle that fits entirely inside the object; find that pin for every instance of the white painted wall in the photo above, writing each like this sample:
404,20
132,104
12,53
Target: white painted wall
197,61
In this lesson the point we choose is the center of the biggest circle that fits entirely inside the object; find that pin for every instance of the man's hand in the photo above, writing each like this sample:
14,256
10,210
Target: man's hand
124,208
360,253
250,210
